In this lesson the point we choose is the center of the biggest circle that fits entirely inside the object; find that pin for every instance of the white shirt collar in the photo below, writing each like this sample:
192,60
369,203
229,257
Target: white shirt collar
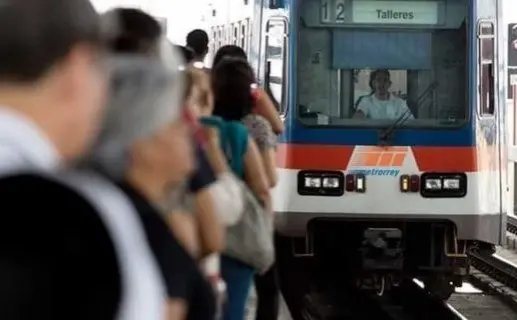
22,138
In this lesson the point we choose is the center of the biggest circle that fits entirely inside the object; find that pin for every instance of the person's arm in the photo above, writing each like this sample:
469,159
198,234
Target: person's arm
362,109
210,231
266,108
265,139
403,109
269,159
213,152
176,309
255,174
226,190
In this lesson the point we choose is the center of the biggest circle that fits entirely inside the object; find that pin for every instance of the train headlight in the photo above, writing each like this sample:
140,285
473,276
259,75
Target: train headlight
433,184
312,182
331,182
443,185
451,183
321,183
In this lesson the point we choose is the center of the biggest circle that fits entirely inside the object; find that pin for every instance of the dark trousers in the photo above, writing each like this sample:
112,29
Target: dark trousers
268,295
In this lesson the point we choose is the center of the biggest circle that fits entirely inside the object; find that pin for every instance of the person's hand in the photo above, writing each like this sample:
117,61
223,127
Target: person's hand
212,135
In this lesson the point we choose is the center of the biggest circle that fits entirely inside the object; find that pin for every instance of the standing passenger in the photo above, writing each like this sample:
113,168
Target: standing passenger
266,285
233,94
62,257
234,71
198,40
51,87
146,148
188,54
226,191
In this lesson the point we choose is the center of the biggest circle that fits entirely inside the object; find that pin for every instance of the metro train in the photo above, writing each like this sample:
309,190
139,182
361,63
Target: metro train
373,201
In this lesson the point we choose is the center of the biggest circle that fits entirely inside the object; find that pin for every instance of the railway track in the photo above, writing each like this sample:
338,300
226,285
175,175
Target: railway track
495,274
414,303
408,302
497,298
495,266
511,225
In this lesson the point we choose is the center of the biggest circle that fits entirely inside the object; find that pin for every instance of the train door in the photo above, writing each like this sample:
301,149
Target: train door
276,60
491,109
512,143
509,22
511,123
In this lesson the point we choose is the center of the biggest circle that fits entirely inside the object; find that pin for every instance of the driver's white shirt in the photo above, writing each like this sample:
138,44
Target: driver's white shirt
390,109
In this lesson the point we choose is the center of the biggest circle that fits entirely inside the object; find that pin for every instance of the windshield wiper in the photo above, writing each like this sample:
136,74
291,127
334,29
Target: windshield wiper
385,135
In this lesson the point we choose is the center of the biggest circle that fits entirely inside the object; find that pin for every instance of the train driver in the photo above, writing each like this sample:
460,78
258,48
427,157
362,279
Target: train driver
380,103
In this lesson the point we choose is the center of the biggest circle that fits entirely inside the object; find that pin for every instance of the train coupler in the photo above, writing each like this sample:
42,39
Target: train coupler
382,249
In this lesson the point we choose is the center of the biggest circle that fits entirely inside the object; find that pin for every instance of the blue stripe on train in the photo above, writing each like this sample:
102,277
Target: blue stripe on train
297,133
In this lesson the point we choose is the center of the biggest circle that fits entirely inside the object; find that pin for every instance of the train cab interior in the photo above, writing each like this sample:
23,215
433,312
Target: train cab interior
427,67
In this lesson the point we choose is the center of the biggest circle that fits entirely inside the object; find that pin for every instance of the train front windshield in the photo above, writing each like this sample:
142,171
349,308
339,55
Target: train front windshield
367,63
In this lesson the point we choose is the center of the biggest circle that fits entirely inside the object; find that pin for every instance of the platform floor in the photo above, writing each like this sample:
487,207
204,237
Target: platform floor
252,300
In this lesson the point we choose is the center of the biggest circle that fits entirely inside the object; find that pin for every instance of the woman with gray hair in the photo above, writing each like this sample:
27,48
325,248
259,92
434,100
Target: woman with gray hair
146,148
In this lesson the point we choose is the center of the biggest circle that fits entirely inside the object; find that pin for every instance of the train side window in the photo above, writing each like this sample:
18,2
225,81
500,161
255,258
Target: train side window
219,38
243,36
486,86
230,33
214,40
249,30
235,34
276,61
512,56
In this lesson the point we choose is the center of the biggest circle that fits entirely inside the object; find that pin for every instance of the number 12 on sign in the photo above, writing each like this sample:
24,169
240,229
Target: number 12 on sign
325,11
332,11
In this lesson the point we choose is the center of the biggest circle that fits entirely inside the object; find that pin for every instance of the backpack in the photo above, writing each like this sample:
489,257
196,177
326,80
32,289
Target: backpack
233,136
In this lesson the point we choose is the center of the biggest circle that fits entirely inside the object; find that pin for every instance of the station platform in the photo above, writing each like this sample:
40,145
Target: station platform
252,303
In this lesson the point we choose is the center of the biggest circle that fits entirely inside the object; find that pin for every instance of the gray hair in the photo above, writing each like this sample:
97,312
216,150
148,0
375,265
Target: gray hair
145,95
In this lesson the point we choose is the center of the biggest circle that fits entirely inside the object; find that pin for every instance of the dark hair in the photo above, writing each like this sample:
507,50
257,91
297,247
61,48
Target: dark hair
232,80
198,40
138,32
36,35
374,74
188,54
229,51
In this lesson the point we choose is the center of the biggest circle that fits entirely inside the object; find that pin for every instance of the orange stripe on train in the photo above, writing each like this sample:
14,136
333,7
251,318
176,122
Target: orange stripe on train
327,157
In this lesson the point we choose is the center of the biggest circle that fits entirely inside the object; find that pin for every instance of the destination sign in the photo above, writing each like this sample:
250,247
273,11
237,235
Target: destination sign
395,12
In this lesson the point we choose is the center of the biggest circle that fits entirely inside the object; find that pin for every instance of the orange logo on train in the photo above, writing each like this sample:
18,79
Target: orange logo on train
378,161
379,157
